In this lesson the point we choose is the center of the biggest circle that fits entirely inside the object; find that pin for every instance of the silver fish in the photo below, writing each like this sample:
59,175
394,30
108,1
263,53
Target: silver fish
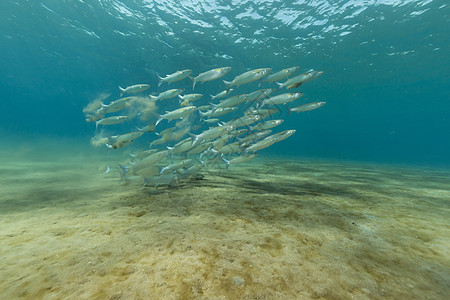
279,136
257,95
177,76
148,128
200,148
244,120
264,113
217,112
190,97
229,148
221,94
145,165
307,106
151,159
280,75
182,146
239,159
167,94
166,136
176,114
281,99
213,120
204,107
221,141
270,140
111,120
142,154
187,99
266,125
211,133
232,101
247,77
297,81
254,136
176,166
120,141
210,75
133,89
115,105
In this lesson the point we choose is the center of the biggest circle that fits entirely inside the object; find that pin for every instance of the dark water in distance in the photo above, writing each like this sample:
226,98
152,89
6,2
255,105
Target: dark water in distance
386,66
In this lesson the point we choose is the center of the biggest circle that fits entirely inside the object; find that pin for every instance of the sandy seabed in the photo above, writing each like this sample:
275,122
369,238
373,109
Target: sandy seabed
267,229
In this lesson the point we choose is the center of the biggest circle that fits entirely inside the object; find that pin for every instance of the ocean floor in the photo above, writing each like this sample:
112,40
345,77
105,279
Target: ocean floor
266,229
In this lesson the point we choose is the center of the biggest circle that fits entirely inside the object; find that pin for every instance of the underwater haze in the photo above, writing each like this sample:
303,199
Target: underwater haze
386,66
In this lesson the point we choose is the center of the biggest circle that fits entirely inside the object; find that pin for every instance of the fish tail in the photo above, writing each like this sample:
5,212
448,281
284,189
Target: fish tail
227,84
162,170
193,82
194,138
279,86
213,106
202,115
159,120
170,150
227,162
124,170
160,79
289,109
212,97
122,91
152,97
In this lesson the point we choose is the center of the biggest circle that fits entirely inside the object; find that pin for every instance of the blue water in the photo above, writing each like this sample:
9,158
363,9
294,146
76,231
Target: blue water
386,66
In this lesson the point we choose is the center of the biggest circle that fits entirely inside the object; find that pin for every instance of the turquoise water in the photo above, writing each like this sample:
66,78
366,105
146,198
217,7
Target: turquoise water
355,204
385,63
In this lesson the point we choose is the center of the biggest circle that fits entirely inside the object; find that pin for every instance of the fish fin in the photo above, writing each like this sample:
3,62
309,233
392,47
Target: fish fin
194,138
160,79
108,169
213,106
193,82
289,109
121,90
227,162
227,84
170,149
124,172
279,85
159,120
162,170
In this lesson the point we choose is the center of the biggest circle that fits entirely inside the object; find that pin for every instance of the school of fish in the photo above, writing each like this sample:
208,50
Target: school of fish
200,137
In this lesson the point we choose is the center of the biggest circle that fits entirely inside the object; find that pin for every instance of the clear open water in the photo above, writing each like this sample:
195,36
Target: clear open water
386,65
